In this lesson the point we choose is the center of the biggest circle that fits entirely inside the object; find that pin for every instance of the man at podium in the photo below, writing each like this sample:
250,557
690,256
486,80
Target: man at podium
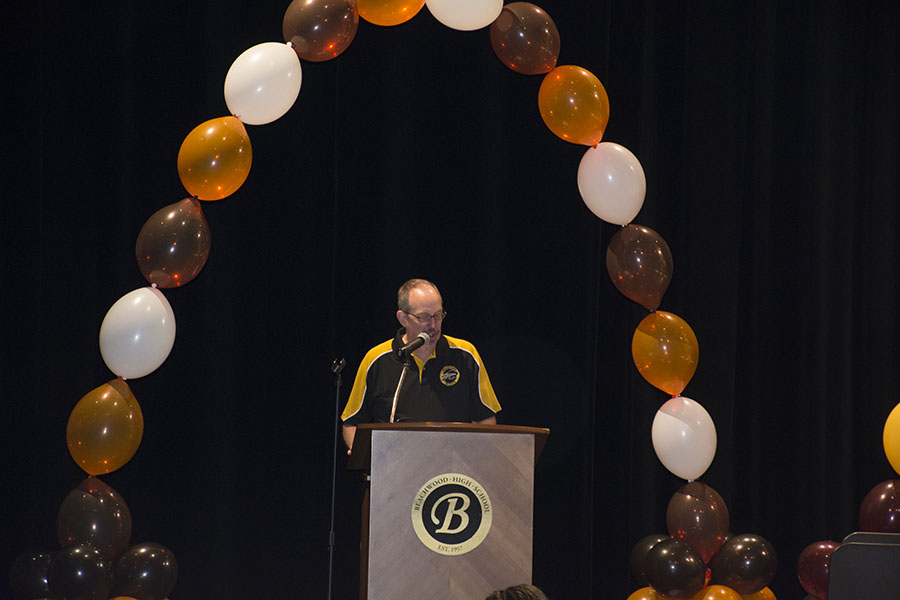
445,381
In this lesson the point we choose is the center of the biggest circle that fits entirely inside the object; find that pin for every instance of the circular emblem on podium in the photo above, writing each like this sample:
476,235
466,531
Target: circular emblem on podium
452,514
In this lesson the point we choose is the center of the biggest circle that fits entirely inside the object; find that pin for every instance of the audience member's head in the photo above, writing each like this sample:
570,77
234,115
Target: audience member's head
518,592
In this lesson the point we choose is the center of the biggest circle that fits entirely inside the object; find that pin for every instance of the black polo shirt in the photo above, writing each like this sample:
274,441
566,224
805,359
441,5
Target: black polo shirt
451,386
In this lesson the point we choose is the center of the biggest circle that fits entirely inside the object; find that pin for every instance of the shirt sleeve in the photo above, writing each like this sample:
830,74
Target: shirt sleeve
485,403
357,410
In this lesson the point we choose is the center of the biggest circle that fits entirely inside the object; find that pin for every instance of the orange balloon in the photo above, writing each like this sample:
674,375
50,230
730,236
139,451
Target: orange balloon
388,12
891,438
763,594
105,428
214,159
645,593
574,104
665,351
716,592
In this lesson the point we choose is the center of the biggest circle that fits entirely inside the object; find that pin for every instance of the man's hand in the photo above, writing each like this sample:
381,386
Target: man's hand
349,432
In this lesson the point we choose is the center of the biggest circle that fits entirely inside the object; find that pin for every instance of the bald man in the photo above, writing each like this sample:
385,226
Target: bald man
446,381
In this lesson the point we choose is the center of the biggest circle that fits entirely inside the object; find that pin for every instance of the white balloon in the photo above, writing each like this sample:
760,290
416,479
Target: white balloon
263,83
684,437
465,15
137,333
612,183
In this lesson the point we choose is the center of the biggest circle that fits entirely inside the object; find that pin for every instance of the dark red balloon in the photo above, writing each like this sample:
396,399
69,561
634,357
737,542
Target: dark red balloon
746,564
146,571
640,265
94,513
812,568
173,245
880,509
697,515
320,29
80,572
674,569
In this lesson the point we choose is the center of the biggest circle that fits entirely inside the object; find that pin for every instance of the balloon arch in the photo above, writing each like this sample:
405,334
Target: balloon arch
105,427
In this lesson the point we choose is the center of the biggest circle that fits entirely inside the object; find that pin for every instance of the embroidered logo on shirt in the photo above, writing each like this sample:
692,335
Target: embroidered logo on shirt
449,375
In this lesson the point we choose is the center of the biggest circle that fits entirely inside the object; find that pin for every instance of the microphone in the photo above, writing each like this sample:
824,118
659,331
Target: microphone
420,340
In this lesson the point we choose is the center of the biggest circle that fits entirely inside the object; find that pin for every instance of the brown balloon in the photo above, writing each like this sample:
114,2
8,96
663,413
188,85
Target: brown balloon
146,571
640,265
674,569
94,513
320,30
80,572
525,39
173,244
698,516
105,428
28,575
745,563
639,554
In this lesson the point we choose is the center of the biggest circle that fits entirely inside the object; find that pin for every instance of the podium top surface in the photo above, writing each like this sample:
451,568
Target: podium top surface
361,455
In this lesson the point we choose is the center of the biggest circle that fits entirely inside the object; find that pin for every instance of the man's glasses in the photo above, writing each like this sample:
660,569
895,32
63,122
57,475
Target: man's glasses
424,318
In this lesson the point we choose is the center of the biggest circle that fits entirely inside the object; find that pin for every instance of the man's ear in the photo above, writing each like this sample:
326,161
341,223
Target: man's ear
402,317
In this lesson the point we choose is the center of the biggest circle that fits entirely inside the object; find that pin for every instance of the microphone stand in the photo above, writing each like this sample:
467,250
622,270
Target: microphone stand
336,367
405,357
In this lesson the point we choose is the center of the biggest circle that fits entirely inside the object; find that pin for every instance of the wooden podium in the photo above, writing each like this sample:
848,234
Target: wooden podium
449,511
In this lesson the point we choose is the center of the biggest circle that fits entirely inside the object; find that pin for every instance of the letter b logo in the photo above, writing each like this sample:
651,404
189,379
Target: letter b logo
450,518
451,500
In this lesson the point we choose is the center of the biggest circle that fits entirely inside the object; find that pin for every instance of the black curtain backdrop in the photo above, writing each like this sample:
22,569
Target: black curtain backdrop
768,133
